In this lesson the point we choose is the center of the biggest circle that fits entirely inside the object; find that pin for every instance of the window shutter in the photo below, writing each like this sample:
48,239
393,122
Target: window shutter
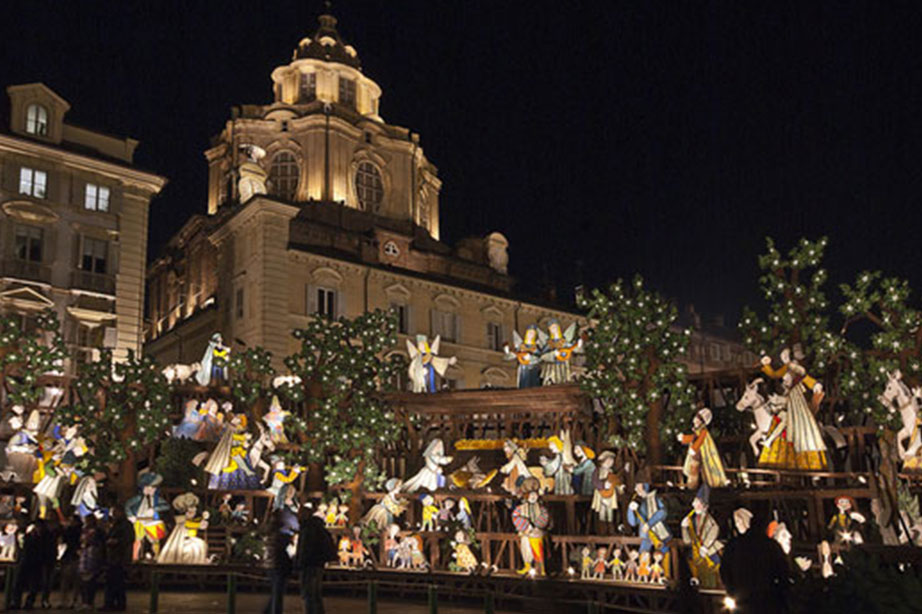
339,303
456,318
409,312
433,322
489,329
311,302
110,337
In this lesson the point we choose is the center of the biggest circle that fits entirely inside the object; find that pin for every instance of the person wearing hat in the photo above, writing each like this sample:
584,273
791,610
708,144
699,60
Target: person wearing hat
282,487
386,511
647,513
144,510
585,467
606,484
531,520
228,465
214,362
702,455
700,531
844,524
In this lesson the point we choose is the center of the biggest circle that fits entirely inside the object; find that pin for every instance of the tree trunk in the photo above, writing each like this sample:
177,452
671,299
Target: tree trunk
654,445
126,483
355,488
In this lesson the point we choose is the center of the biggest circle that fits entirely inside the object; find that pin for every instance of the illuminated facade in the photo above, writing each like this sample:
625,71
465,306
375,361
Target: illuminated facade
73,225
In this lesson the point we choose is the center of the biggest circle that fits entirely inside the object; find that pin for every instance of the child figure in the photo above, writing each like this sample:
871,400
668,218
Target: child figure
344,550
358,548
632,568
342,517
616,565
585,564
392,545
416,553
464,558
225,509
405,553
600,564
657,573
8,543
643,568
240,514
445,513
322,512
464,513
430,512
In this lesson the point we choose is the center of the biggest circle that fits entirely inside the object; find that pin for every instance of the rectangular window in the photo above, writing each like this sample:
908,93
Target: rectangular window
347,91
29,243
495,336
97,198
445,323
95,254
32,182
308,86
403,317
239,303
326,302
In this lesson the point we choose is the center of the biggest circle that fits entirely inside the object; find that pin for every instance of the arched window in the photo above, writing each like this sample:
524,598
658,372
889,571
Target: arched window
283,175
37,120
369,187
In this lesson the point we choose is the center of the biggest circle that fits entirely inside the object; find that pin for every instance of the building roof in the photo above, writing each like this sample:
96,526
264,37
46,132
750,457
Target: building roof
326,44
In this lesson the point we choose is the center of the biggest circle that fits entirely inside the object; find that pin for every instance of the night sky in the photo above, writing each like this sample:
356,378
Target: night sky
601,137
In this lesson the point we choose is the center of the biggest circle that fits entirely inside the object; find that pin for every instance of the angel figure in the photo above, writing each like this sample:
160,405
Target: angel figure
184,546
275,421
560,465
389,508
425,362
555,361
527,354
702,456
796,441
430,476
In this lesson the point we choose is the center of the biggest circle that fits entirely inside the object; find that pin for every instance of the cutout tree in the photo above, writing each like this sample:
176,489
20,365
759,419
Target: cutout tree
121,409
252,373
633,369
344,421
27,356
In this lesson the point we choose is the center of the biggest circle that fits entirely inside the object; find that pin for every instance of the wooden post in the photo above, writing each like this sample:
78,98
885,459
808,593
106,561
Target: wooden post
231,593
433,600
154,591
489,603
372,597
8,585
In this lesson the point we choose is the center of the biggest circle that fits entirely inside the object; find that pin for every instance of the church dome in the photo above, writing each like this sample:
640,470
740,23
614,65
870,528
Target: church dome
327,45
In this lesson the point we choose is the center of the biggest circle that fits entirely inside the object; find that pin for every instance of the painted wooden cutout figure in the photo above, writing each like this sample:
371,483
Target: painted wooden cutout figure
631,567
8,543
515,468
702,456
191,426
700,531
585,563
84,499
184,546
446,514
560,465
23,447
471,476
897,397
57,467
616,564
358,552
282,488
763,409
647,514
600,563
430,512
845,524
796,441
145,510
425,363
585,468
275,421
464,513
214,362
657,572
391,545
527,353
606,484
558,353
230,465
531,520
643,567
464,558
431,476
389,508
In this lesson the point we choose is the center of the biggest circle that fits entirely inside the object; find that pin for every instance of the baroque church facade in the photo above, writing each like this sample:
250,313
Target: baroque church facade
349,223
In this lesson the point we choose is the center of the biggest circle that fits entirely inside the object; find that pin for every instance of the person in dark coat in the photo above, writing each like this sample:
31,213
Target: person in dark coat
49,558
92,559
278,561
28,571
70,575
119,543
755,571
315,549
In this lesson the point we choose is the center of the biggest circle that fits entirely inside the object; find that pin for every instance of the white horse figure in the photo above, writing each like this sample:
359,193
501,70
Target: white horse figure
762,411
898,397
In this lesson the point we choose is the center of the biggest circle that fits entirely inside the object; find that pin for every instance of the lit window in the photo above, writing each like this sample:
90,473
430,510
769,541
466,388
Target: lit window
495,339
283,175
402,312
97,198
368,187
95,254
347,91
37,120
308,86
32,182
326,302
29,243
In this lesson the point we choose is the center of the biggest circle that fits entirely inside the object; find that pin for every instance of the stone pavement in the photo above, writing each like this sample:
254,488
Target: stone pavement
251,603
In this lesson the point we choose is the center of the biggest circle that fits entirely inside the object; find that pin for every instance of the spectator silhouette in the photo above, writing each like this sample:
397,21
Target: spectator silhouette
755,571
315,549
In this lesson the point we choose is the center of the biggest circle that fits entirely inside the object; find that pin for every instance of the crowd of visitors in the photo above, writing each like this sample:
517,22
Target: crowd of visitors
79,556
